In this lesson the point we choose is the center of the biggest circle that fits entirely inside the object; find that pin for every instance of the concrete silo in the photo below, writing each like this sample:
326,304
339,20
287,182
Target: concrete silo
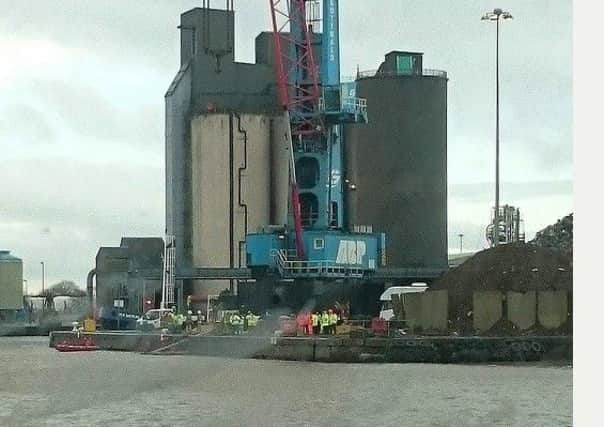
11,284
397,163
222,142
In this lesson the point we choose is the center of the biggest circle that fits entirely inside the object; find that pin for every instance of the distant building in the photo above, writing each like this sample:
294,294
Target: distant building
131,272
11,285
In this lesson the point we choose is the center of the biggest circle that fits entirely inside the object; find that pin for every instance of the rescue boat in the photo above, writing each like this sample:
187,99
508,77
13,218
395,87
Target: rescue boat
85,344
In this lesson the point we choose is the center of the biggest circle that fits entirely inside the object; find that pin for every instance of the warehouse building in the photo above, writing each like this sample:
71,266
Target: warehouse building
130,272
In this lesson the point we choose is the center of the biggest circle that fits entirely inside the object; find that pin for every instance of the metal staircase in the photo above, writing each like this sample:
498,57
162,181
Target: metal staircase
167,296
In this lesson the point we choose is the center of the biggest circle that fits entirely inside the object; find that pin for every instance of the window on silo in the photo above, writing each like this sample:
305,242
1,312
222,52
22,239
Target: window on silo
404,64
307,172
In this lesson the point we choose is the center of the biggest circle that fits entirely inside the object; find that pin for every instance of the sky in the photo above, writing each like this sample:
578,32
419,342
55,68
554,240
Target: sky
82,113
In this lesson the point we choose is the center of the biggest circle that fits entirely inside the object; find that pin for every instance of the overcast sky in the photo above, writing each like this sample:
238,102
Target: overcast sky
82,114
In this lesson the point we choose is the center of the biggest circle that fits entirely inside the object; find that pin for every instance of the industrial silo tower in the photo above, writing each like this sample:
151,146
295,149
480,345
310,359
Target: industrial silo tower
397,163
11,285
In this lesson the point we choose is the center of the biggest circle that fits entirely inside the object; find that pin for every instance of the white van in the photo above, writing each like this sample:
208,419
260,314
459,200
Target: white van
152,319
387,311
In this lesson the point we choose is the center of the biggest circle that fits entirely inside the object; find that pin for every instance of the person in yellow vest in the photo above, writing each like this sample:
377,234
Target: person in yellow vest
333,321
252,320
237,324
324,322
315,323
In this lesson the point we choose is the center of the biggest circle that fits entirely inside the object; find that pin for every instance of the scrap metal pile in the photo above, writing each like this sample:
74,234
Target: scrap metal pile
557,236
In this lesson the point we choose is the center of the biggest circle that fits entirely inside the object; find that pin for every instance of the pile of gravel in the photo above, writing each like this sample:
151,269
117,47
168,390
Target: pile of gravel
514,267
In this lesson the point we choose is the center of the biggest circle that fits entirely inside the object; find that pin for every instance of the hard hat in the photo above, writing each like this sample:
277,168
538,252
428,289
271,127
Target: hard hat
189,312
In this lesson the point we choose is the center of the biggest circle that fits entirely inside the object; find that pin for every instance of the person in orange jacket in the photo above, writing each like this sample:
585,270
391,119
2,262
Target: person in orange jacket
308,323
301,323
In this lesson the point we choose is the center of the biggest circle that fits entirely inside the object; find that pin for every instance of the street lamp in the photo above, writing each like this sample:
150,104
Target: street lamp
25,283
460,243
43,275
496,15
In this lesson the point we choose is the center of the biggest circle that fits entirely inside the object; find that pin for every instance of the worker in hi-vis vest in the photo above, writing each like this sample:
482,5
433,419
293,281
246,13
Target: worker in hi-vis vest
315,323
237,324
333,321
324,321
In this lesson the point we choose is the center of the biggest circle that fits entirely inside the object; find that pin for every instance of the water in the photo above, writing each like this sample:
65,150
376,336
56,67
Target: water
40,386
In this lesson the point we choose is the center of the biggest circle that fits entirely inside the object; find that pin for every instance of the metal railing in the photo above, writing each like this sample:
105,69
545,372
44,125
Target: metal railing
348,105
290,267
425,72
390,325
354,105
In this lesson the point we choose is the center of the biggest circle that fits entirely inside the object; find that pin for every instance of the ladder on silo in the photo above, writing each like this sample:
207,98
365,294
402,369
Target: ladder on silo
167,295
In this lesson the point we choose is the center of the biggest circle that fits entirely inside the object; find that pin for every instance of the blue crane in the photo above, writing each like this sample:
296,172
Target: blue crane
315,243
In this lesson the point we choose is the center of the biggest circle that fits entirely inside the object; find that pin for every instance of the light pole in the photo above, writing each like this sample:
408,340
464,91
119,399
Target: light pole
43,276
496,15
460,243
25,283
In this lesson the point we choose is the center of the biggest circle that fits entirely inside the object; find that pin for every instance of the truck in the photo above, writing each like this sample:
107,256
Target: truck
387,310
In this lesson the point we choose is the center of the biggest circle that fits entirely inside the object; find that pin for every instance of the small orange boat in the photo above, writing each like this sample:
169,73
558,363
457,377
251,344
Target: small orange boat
84,344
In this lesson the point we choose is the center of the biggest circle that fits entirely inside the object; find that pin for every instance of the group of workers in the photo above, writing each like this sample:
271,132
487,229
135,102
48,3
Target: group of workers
176,321
318,323
241,323
179,322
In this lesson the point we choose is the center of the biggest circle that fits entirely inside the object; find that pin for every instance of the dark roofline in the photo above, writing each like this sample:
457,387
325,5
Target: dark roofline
211,9
404,52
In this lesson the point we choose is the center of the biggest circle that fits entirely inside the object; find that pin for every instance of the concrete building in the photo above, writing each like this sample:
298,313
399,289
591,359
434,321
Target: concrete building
225,172
132,272
11,285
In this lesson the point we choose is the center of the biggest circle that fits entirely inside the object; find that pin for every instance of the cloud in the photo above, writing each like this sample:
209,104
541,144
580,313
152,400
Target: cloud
66,211
25,124
22,54
519,191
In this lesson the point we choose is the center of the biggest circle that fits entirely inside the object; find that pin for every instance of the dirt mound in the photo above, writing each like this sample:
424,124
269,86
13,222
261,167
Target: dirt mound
557,236
515,267
518,267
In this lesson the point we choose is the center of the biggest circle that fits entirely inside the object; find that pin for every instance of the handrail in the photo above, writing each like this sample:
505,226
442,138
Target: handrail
426,72
348,104
326,267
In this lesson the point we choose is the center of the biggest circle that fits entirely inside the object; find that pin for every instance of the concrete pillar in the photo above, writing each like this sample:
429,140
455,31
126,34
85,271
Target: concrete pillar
552,308
487,309
522,308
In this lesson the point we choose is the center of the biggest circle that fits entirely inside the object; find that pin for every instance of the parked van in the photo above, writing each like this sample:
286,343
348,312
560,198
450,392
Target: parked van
387,311
153,319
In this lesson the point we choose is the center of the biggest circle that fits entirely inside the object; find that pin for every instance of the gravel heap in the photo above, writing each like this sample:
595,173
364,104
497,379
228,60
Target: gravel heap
517,267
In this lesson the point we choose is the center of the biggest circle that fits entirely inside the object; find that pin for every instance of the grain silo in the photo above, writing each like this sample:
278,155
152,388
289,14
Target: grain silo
222,138
11,284
397,163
